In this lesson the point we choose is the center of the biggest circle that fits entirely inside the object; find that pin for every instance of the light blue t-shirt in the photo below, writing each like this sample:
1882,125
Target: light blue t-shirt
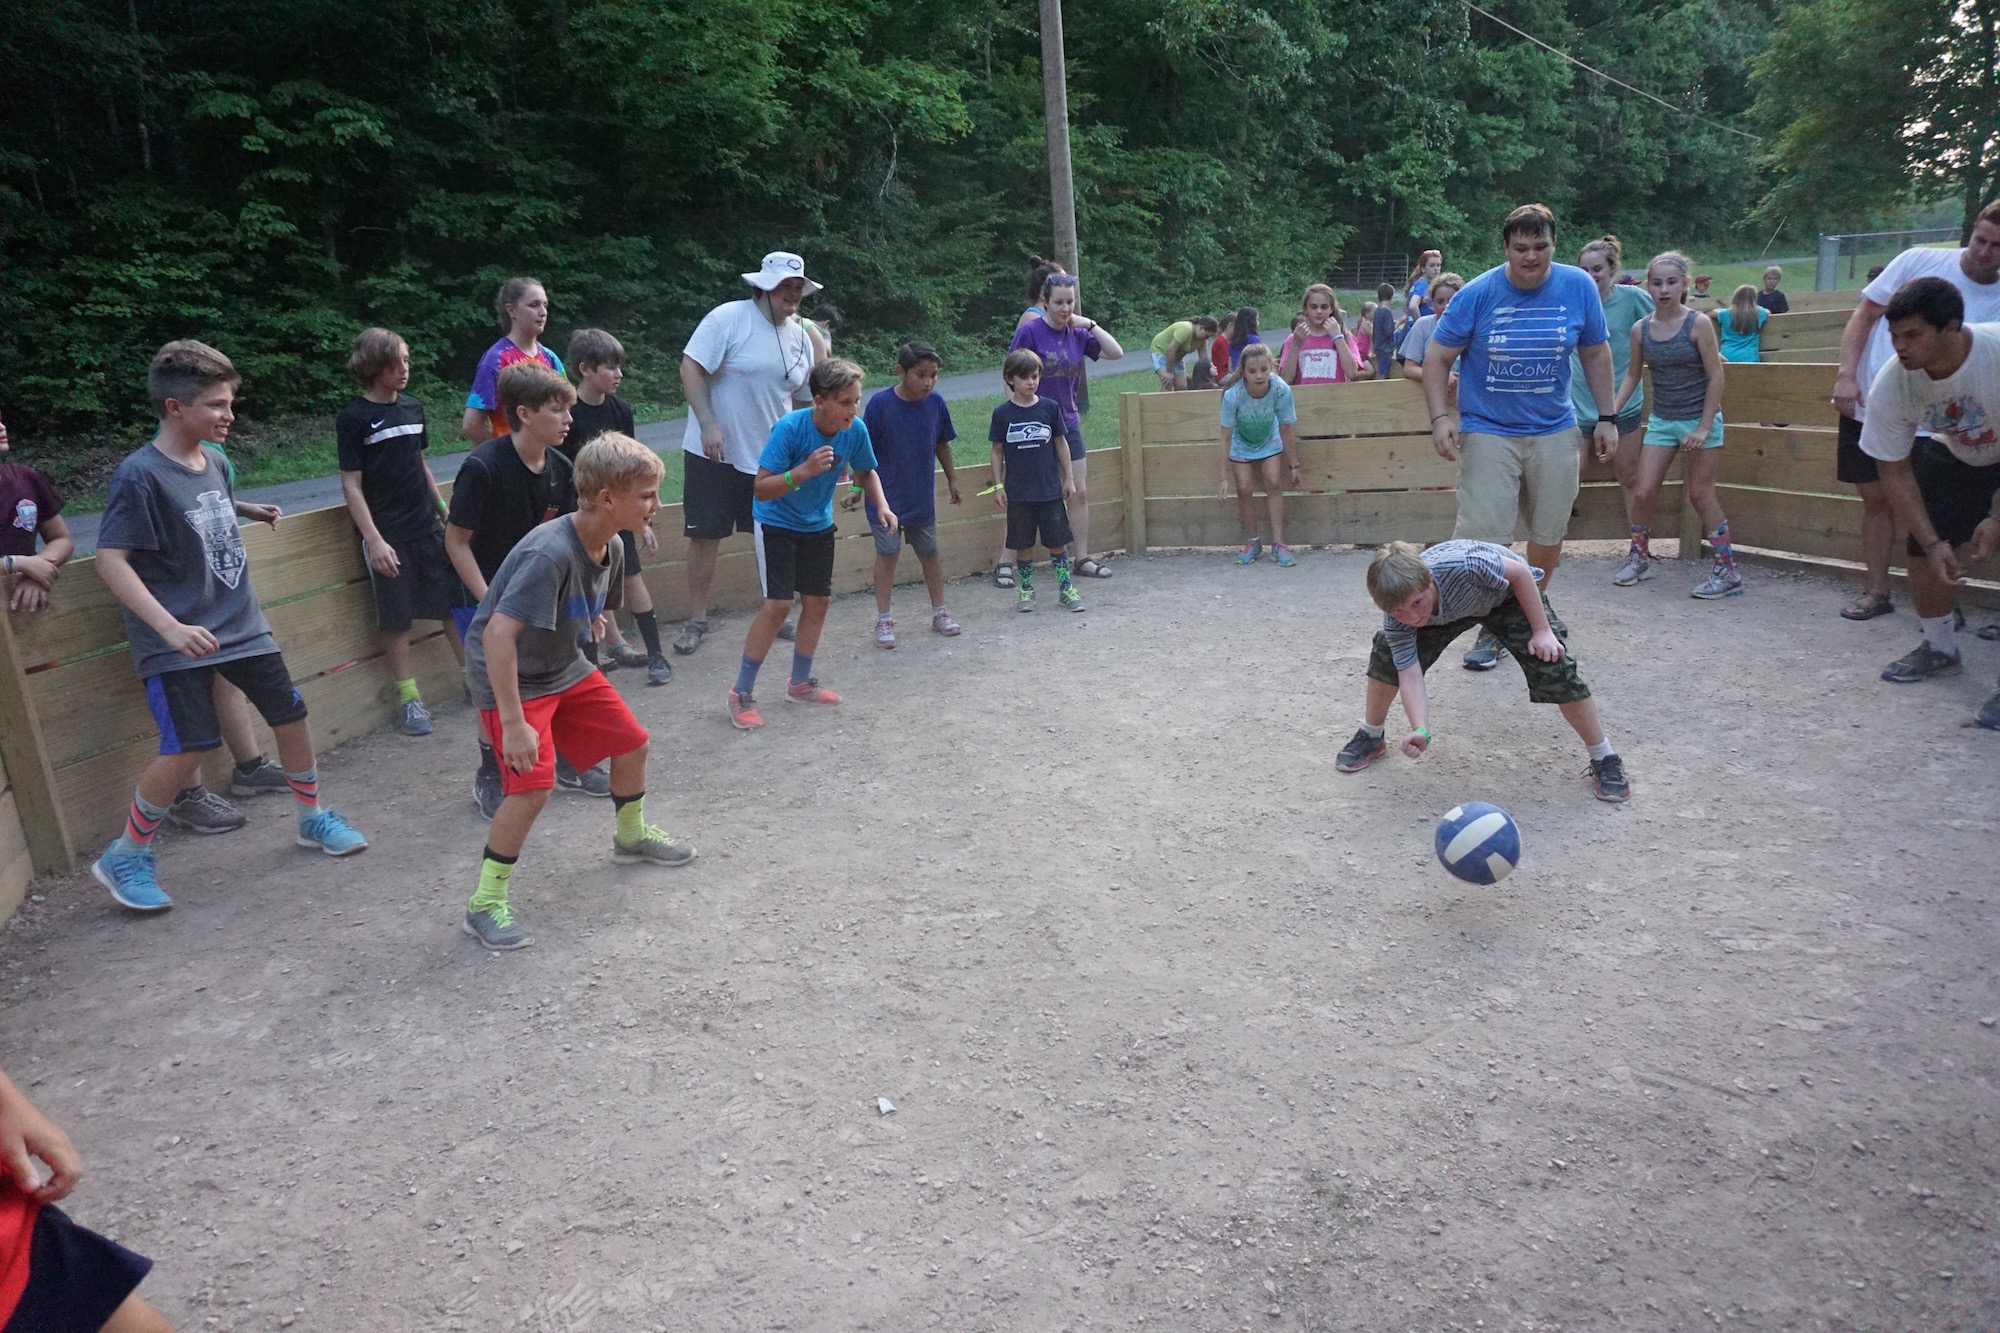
793,440
1253,422
1514,375
1626,306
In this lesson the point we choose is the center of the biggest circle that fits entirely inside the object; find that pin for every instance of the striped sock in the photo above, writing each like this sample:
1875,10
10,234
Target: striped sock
305,787
142,821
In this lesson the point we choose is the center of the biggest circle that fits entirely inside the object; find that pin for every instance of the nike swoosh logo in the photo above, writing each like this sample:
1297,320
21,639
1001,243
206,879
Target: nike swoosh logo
376,425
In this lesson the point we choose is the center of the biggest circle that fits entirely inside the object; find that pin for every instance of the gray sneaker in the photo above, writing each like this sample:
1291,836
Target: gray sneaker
1988,715
1635,569
1485,654
201,811
658,669
788,631
1361,751
486,790
591,781
497,928
416,718
1920,663
267,776
655,845
1719,583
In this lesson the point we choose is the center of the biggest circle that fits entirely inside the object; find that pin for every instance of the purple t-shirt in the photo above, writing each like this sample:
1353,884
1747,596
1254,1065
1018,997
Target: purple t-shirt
906,436
1063,352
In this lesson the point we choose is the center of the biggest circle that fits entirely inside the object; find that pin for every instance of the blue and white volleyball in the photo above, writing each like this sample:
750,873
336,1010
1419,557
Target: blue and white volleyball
1479,843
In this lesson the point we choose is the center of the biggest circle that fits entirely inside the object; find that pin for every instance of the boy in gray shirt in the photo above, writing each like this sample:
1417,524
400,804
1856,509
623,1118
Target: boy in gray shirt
536,692
170,551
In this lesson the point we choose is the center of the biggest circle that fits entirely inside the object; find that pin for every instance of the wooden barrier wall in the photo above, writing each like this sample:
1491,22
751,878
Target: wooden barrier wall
76,731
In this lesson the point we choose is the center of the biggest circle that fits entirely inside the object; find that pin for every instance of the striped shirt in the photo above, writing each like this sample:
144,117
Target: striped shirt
1471,579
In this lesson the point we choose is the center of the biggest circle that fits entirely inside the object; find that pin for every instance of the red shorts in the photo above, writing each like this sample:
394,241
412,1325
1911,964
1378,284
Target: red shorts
588,722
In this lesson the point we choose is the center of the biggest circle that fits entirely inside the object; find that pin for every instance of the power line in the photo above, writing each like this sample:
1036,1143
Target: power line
1589,69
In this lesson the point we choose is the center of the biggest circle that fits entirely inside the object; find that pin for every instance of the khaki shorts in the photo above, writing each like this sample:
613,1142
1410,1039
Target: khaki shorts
1505,478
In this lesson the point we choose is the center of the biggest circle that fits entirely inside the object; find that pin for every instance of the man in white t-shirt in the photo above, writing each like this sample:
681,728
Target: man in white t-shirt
1865,349
743,363
1945,487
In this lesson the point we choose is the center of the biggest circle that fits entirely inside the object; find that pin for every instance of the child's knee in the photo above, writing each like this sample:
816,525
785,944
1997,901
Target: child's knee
531,799
637,754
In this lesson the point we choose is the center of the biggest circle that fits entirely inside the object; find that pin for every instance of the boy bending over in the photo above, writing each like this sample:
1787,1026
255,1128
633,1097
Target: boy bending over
536,692
1431,597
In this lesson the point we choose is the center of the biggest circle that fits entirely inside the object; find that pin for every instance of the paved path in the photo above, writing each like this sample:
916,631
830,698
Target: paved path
319,492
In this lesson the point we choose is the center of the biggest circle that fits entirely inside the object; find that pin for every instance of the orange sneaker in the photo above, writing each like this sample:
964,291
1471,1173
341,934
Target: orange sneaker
743,713
810,692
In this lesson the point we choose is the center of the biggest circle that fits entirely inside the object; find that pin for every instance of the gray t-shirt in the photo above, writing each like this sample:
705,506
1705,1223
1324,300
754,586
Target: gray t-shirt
551,585
179,526
1418,340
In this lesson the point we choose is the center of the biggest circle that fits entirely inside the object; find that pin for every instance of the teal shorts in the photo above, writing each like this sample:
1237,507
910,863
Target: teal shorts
1664,434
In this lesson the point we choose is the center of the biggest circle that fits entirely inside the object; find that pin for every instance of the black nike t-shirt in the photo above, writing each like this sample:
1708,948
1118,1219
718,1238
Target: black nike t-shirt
385,443
586,423
500,501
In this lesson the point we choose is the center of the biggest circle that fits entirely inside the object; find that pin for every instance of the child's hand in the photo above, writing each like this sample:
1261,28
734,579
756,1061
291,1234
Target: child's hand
28,595
1696,440
850,501
38,569
1415,745
886,520
519,746
190,640
649,541
819,460
1000,498
600,628
1222,491
25,1133
261,513
956,498
1546,646
382,559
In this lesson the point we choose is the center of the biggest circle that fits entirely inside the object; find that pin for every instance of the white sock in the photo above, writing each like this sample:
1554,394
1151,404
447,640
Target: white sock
1601,750
883,615
1374,729
938,610
1939,634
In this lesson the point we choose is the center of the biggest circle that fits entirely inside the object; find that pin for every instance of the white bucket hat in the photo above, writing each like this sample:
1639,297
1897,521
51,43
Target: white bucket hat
778,266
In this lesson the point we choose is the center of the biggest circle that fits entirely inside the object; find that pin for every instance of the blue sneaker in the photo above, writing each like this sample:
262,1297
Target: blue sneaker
331,833
129,876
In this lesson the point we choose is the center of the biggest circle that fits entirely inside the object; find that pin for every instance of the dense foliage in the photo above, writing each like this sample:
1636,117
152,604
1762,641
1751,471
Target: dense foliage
272,176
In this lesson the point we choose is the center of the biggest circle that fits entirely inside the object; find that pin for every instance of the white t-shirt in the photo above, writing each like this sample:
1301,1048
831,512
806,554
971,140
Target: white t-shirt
1961,411
754,368
1982,305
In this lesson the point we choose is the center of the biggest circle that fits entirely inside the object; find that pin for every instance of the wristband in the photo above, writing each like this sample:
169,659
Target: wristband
1607,418
10,564
1439,417
1425,732
790,485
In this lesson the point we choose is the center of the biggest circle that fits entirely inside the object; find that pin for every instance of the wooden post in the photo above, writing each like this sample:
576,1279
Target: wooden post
1131,444
26,754
1055,116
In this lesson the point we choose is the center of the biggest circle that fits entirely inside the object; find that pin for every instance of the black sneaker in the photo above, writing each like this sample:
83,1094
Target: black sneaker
1920,663
1607,779
200,810
1361,751
1486,653
486,792
1988,715
658,670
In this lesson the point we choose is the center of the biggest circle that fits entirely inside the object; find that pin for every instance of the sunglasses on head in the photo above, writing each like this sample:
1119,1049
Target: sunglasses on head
1062,280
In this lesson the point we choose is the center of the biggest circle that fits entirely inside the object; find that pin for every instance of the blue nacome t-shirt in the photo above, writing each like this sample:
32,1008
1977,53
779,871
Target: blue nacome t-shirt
1514,374
905,437
793,440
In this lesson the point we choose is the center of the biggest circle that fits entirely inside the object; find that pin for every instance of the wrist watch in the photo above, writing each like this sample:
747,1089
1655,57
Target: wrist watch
1605,418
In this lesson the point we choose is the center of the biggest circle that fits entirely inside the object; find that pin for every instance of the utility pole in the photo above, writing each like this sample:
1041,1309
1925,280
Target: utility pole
1055,111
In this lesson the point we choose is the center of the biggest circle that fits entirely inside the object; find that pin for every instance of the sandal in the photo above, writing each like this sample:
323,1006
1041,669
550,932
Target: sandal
1868,606
690,637
1988,632
1003,574
1092,569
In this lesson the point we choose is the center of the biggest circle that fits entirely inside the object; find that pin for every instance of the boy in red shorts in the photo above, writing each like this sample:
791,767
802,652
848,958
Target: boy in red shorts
537,693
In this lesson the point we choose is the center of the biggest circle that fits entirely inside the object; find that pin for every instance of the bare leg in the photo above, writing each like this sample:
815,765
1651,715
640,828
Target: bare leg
1625,464
628,770
700,576
933,567
232,714
764,629
1246,498
1931,596
1376,710
1079,513
295,746
1648,472
135,1316
509,831
1878,536
169,775
885,581
1582,715
812,619
1545,558
1274,495
395,647
638,597
1701,469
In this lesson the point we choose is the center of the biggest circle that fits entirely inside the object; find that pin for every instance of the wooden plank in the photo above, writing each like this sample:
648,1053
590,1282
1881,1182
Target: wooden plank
1779,394
1822,328
1803,356
90,705
82,618
1373,407
15,875
321,632
1391,462
1360,517
1131,439
24,749
305,551
13,837
1814,525
1786,459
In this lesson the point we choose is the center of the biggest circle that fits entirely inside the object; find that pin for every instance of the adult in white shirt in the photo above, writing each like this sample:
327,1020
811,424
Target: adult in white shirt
740,371
1865,349
1944,386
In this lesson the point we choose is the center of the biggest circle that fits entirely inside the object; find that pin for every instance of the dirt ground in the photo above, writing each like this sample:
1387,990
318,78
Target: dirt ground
1183,1029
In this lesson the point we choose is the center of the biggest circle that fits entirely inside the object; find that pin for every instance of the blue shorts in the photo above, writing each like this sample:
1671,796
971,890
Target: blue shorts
183,701
1664,434
77,1279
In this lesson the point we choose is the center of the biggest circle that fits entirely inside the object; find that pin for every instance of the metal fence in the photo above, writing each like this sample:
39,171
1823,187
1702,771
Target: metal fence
1844,260
1364,273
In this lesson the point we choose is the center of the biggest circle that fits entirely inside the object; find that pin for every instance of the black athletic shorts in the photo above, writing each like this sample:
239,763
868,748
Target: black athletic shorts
76,1278
1548,682
715,498
427,588
631,544
793,562
1849,463
1026,519
183,701
1957,496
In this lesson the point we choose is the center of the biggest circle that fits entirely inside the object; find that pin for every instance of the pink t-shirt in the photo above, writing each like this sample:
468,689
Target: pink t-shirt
1319,358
